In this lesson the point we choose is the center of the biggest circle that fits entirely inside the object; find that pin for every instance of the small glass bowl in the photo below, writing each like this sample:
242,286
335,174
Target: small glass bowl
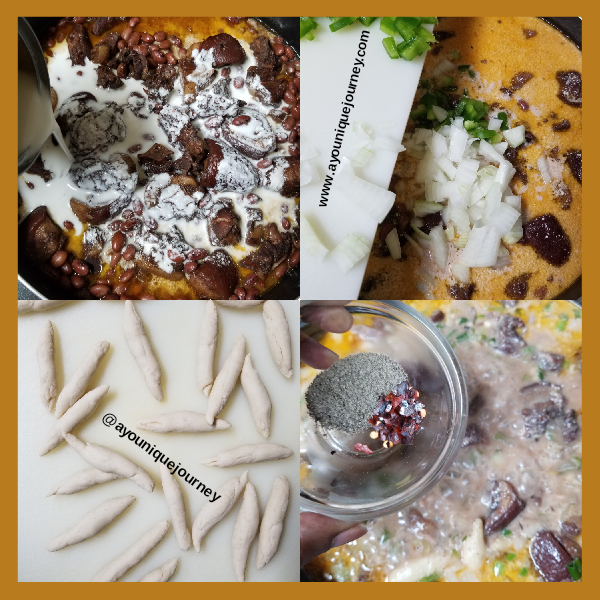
337,481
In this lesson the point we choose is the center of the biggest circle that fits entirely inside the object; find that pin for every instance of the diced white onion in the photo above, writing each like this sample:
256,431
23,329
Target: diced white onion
515,136
362,157
440,113
460,218
494,124
439,246
392,241
504,219
486,150
450,233
311,243
466,172
421,136
503,259
461,272
414,244
437,144
446,165
443,67
514,201
492,202
308,172
458,142
462,240
500,148
515,234
482,248
505,173
544,170
415,226
350,251
423,208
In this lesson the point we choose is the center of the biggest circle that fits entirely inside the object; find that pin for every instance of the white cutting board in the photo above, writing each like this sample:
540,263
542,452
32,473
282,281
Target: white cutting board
382,102
173,328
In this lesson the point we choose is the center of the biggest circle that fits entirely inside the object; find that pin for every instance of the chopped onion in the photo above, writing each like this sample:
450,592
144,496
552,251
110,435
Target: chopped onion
462,240
443,67
423,208
311,243
500,148
350,251
440,113
458,142
308,173
370,198
392,241
494,124
421,136
503,259
514,201
504,174
307,152
503,219
460,218
515,234
450,233
414,244
544,170
415,226
446,165
458,193
466,171
492,202
437,144
461,272
439,246
515,136
482,248
362,157
486,149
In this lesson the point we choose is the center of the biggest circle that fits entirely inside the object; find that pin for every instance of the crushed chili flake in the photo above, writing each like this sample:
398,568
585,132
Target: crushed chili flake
397,417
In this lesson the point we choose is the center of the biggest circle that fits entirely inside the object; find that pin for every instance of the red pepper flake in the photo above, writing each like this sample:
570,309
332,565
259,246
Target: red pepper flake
362,448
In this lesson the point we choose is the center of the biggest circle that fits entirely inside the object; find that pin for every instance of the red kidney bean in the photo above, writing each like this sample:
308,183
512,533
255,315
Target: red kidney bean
77,281
175,257
151,223
252,198
289,123
80,267
157,56
197,254
297,64
50,42
118,241
49,53
103,281
284,58
165,45
238,83
278,40
286,109
115,258
147,38
240,120
58,258
126,275
121,44
290,52
293,136
284,209
263,163
240,292
127,214
66,268
127,33
190,267
133,149
290,69
122,71
281,138
60,37
297,82
160,36
143,49
297,242
79,20
294,150
110,273
171,58
213,122
280,271
289,97
68,225
99,290
252,294
295,112
225,72
135,39
250,279
279,49
291,86
65,282
138,207
151,62
129,252
285,223
176,41
62,22
133,21
147,297
110,297
115,225
120,289
294,258
129,224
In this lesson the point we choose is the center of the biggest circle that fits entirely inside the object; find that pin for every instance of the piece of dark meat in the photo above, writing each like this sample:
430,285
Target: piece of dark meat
119,174
541,391
549,557
509,340
506,505
473,435
570,426
573,160
547,237
419,525
79,44
38,168
572,526
437,316
563,125
462,292
529,33
286,169
571,546
189,140
263,86
160,82
107,79
96,215
249,132
261,260
548,361
226,169
72,109
216,278
226,50
263,53
93,242
193,77
156,160
137,65
519,80
538,417
281,241
146,264
105,49
441,36
224,228
39,236
103,24
96,129
562,195
518,287
570,87
254,232
430,221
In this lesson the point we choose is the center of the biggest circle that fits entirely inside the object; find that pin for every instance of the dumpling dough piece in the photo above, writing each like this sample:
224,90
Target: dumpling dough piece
212,512
110,461
78,413
140,348
278,336
226,379
240,304
163,573
133,555
184,421
47,366
209,333
248,453
92,523
176,508
245,530
271,526
82,480
26,306
257,396
81,378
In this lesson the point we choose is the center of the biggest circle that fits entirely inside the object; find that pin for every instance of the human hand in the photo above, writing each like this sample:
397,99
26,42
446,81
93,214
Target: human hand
329,315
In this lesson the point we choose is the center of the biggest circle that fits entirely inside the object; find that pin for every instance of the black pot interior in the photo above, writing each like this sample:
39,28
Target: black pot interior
289,286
